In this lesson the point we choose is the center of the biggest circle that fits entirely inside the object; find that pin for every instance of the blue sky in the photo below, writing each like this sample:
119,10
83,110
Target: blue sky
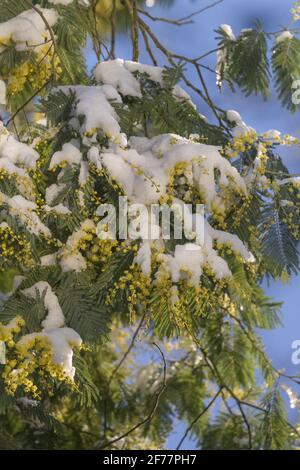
196,39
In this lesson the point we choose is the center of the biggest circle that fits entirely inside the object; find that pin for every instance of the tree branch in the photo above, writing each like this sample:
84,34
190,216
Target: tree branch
152,412
189,428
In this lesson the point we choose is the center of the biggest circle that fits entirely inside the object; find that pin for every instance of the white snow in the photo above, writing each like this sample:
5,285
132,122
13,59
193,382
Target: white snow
94,104
28,28
53,191
286,35
72,262
93,156
234,116
144,170
61,2
143,257
120,74
115,73
228,31
272,134
2,92
25,211
49,260
55,317
84,173
59,209
69,153
16,152
63,340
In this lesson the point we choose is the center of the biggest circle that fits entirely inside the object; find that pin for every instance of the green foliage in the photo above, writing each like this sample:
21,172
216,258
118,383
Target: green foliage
286,69
278,244
80,308
274,425
246,62
58,107
211,343
158,111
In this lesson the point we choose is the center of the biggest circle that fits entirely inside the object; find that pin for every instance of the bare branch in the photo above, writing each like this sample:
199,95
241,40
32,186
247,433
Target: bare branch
197,12
129,348
189,428
95,36
164,20
36,93
113,30
148,47
132,10
222,383
153,410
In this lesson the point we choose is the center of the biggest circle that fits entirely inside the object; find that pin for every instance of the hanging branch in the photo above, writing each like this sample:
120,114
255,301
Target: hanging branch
153,410
222,383
148,48
131,345
132,10
34,95
112,53
198,12
119,365
170,57
97,45
182,21
164,20
55,53
190,427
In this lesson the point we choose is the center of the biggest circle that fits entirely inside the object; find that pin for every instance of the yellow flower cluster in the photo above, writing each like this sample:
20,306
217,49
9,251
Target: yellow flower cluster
291,212
22,183
181,310
240,144
286,139
36,72
7,331
249,140
14,248
136,284
100,251
296,10
18,77
29,364
163,289
179,182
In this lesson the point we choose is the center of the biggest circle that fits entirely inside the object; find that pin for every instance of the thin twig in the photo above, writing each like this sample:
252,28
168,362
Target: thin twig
128,349
222,383
113,30
132,10
36,93
170,57
164,20
119,365
148,48
210,101
197,12
189,428
95,36
153,410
